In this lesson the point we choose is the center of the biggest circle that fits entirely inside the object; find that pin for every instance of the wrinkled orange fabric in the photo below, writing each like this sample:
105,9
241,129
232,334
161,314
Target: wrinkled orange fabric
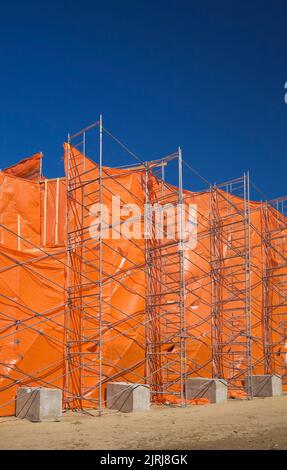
28,168
33,288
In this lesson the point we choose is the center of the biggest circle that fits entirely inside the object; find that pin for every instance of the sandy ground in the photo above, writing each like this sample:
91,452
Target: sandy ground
257,424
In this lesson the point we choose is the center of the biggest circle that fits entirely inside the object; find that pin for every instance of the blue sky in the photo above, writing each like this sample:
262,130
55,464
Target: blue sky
206,75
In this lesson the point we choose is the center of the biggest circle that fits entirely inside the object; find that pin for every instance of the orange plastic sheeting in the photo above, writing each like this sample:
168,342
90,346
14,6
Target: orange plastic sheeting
276,293
123,340
123,293
53,212
32,290
32,301
232,353
32,213
33,282
19,212
28,168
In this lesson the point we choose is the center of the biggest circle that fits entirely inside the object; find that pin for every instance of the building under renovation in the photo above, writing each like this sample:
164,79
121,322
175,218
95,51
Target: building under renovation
85,303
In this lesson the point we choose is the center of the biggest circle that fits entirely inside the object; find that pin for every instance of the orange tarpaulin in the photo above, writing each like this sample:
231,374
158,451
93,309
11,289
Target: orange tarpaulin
58,329
28,168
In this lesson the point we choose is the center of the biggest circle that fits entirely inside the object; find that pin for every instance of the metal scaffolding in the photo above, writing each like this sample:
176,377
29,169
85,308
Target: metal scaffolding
163,320
165,288
274,286
216,308
231,296
83,318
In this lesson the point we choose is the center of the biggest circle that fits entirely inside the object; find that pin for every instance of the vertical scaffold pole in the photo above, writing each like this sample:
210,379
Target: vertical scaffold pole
248,306
214,284
68,300
83,263
181,285
101,263
266,288
148,377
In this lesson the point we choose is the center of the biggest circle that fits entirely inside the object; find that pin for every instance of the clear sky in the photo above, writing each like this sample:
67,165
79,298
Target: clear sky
206,75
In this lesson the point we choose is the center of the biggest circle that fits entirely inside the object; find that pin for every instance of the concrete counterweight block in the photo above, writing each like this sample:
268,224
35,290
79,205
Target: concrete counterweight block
266,385
127,397
39,404
215,390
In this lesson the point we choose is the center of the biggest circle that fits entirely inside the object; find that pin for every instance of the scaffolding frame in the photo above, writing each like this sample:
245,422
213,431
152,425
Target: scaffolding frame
232,313
274,286
52,317
166,335
78,180
230,265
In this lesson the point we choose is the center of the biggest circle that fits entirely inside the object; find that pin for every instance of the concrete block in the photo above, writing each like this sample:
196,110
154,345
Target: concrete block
127,397
215,390
39,404
266,385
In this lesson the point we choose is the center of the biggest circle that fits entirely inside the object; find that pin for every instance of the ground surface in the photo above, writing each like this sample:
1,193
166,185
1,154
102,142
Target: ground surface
257,424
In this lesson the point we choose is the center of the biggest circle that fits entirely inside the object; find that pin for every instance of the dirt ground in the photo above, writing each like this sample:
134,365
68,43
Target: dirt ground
237,424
